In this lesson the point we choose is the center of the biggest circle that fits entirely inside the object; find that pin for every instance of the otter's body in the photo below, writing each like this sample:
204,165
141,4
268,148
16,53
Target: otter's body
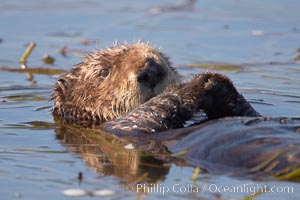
133,89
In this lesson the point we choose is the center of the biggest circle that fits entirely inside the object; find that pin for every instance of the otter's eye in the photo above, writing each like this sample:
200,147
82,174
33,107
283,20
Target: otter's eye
104,72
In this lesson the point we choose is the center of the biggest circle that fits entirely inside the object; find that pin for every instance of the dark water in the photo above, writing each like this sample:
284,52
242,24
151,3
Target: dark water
259,40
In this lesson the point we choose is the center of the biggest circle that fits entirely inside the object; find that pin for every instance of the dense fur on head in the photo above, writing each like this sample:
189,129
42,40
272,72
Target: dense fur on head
112,81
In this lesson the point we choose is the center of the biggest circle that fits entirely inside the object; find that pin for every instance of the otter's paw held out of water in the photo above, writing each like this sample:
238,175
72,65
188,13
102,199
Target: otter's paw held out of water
220,98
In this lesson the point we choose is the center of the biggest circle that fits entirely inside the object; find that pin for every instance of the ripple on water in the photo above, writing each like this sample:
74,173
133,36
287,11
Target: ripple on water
34,164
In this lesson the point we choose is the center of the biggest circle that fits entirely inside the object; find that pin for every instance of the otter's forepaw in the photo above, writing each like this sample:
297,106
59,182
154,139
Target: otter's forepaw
220,98
217,94
216,84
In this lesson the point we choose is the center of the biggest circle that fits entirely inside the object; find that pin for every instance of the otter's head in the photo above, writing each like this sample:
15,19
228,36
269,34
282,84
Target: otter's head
113,81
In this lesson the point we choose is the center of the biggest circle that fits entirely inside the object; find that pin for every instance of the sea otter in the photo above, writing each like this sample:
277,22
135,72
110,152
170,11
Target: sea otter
111,82
135,91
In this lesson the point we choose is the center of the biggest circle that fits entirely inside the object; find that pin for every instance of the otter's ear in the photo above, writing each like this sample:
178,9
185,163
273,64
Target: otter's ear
62,84
60,90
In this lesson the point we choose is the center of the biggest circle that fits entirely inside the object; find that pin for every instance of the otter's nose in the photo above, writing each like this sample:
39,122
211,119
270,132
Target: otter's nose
151,74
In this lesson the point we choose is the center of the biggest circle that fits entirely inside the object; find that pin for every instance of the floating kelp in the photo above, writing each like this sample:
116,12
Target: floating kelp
64,34
227,67
196,173
27,53
253,196
37,70
261,166
43,108
297,56
48,59
291,176
77,52
217,66
41,151
187,5
89,41
26,98
36,125
63,51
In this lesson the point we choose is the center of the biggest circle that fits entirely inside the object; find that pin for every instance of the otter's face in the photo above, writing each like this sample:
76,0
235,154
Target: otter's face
113,81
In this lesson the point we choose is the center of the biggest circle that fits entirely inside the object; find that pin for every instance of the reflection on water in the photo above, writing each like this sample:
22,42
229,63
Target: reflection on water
108,155
35,165
264,145
250,145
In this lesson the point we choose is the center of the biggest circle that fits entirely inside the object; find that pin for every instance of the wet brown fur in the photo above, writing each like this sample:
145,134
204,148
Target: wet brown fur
212,92
83,95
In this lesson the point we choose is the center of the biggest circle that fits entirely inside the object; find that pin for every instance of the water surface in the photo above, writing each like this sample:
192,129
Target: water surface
257,40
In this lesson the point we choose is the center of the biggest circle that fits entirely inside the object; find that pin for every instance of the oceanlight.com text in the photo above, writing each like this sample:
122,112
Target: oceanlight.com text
249,189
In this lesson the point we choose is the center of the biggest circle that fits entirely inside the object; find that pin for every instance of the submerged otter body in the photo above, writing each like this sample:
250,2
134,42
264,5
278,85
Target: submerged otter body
133,89
243,145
